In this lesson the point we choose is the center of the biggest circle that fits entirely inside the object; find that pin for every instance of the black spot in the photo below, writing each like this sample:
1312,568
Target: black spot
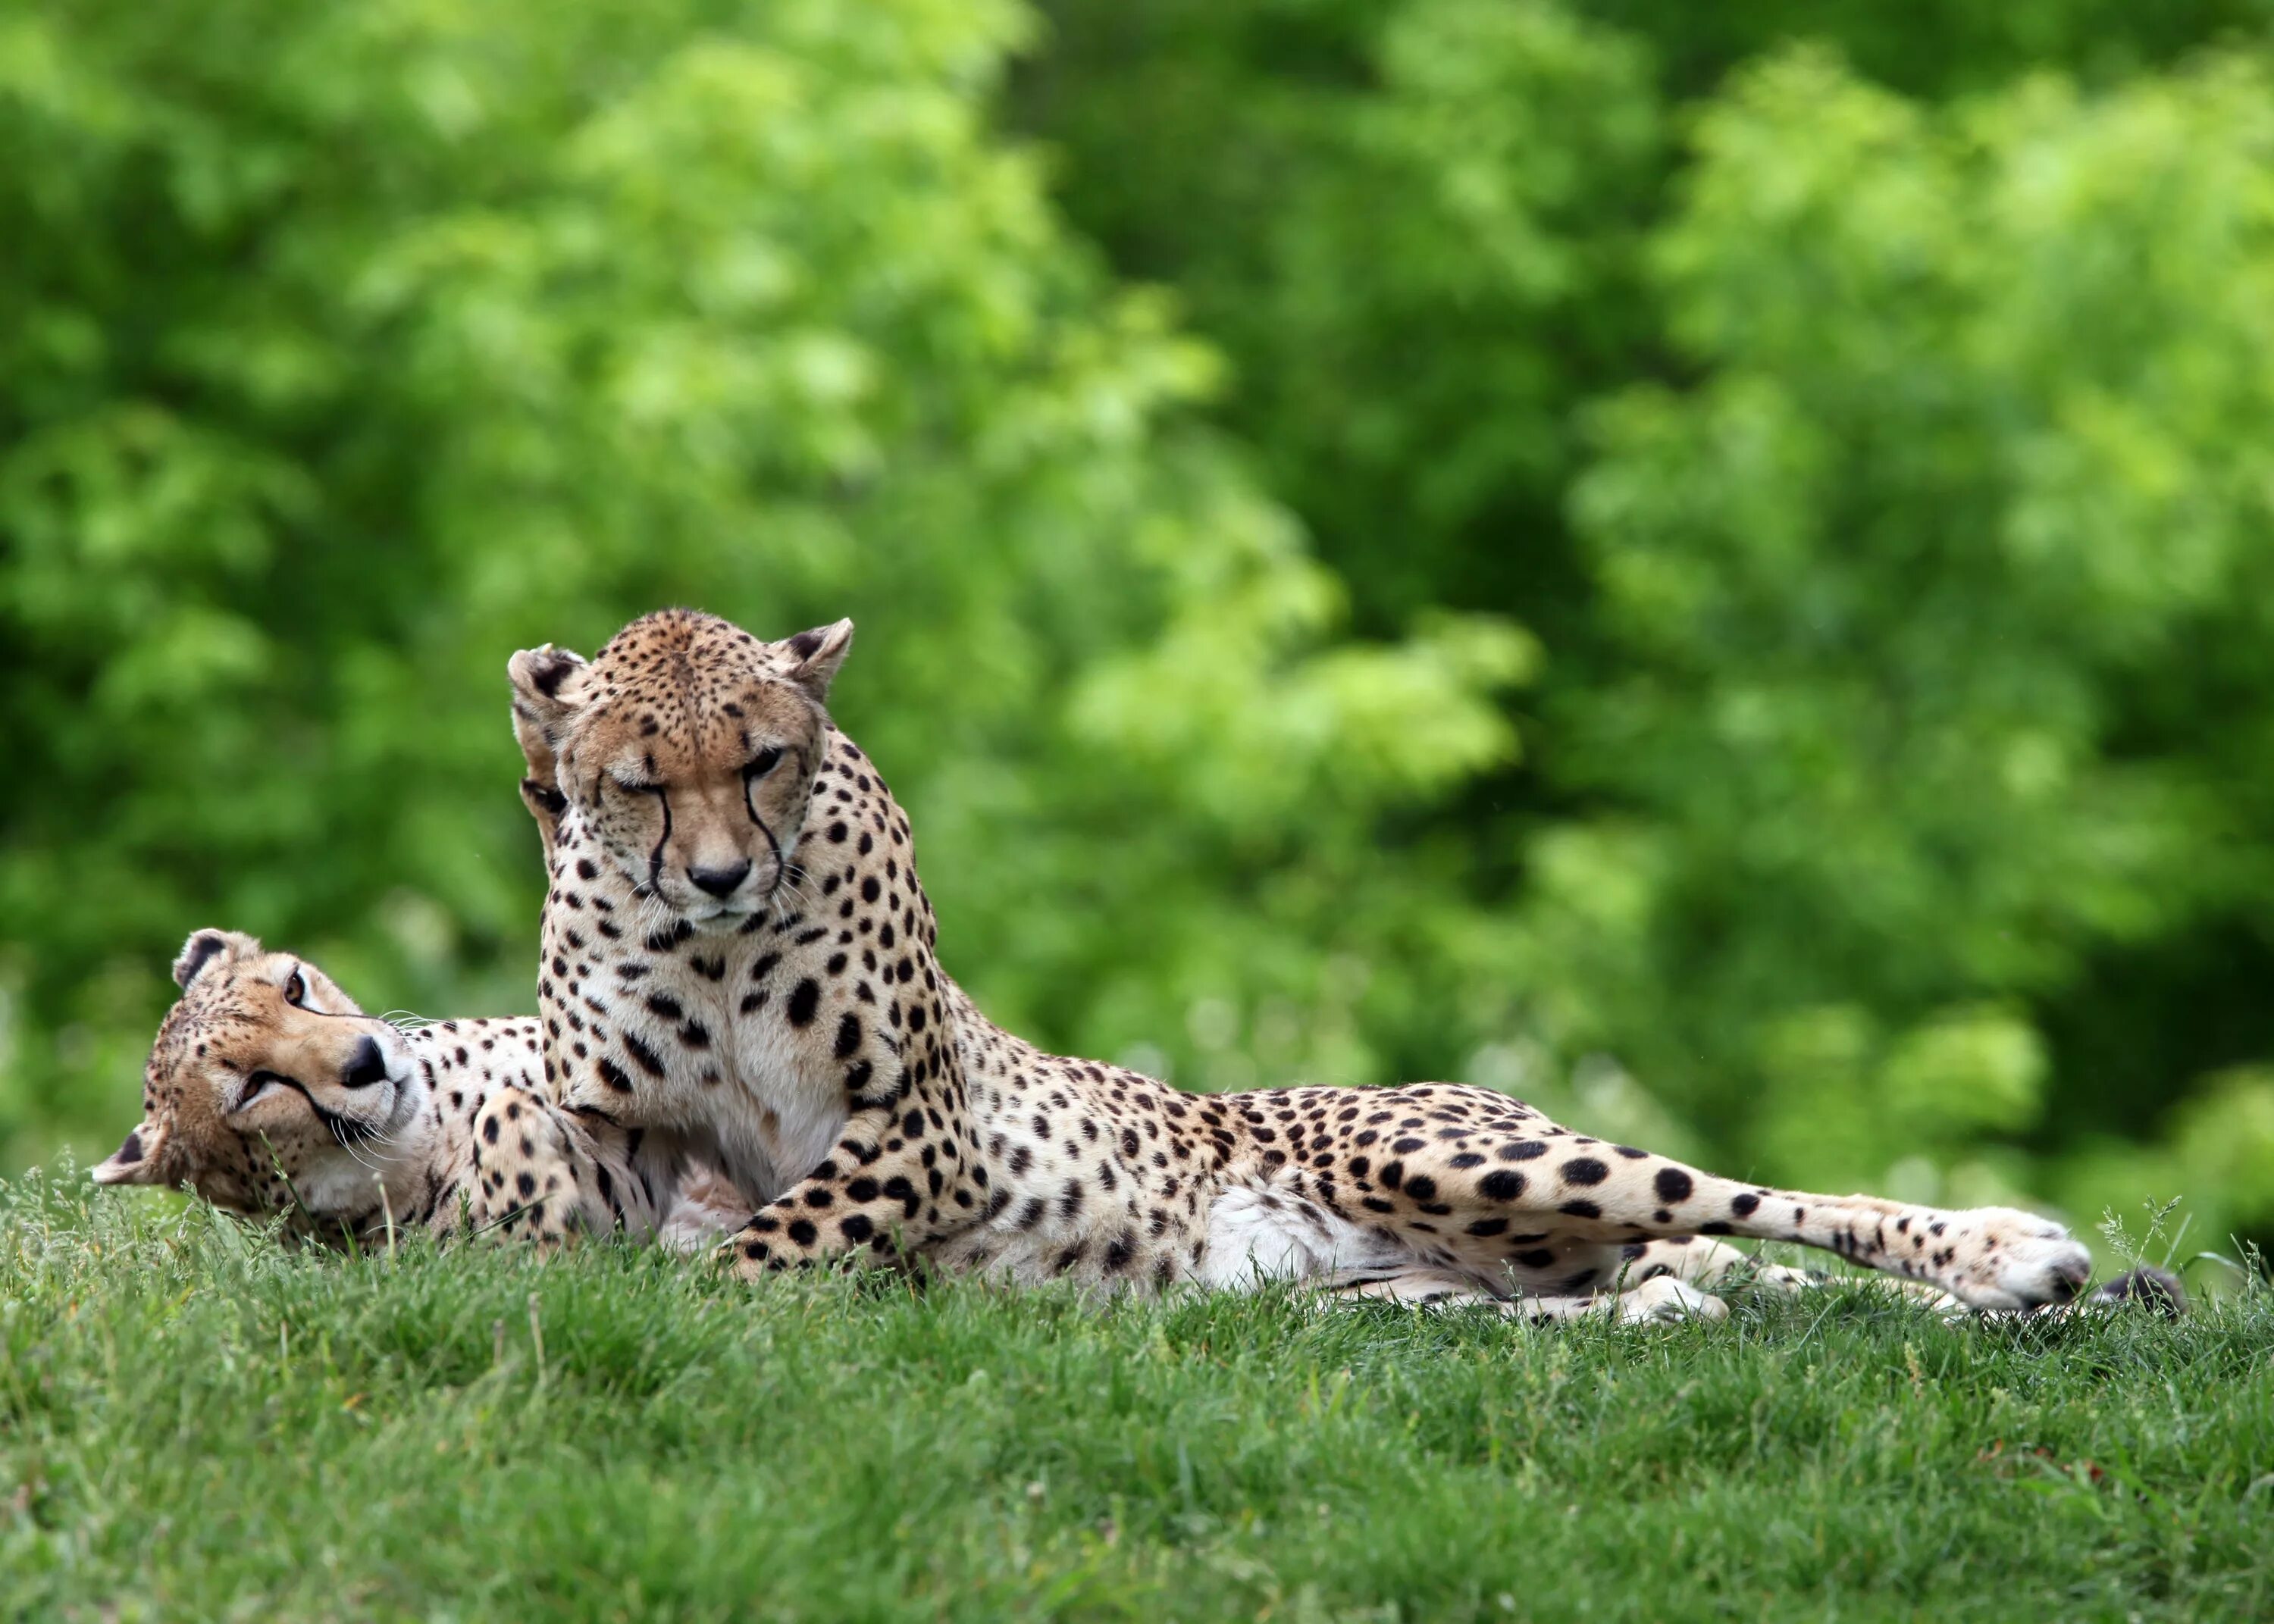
585,869
1580,1209
1744,1204
804,1002
525,1182
490,1129
803,1232
1521,1150
1489,1226
1673,1185
848,1032
1584,1170
1501,1185
612,1074
643,1056
664,1004
1421,1189
1534,1259
855,1228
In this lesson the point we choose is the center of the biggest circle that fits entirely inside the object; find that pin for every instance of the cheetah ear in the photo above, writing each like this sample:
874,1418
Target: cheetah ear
819,653
136,1161
546,804
206,948
547,688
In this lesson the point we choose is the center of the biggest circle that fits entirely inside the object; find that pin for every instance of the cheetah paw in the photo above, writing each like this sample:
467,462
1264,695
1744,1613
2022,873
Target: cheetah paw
1666,1301
2008,1259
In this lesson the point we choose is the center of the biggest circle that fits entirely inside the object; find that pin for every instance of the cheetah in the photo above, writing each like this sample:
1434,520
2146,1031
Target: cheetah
739,959
270,1093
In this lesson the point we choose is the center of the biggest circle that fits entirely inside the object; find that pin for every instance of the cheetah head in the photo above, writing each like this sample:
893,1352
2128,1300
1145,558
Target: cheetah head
267,1090
684,754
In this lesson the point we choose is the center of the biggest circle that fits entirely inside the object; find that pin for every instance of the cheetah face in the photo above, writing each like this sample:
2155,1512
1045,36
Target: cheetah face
683,755
268,1089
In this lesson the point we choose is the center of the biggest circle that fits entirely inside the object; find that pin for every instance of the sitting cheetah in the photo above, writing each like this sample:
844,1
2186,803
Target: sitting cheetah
269,1093
738,958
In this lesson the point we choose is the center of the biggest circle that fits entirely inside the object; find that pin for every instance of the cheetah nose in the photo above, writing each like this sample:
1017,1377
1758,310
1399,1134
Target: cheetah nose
721,881
365,1067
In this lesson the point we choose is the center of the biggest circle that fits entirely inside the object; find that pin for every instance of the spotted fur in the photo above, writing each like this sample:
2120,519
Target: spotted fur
270,1093
739,959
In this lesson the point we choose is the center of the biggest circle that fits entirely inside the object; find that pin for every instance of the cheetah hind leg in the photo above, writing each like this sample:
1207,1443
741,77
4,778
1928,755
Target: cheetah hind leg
1989,1258
1661,1299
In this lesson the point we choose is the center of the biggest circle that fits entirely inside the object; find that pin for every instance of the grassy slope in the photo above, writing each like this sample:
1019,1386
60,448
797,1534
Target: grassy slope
194,1425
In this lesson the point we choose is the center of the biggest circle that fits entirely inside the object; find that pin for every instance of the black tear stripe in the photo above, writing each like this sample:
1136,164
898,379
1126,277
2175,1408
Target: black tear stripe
750,806
655,857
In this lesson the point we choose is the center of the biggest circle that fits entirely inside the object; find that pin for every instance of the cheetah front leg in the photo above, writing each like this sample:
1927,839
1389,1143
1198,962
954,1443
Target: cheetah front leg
895,1183
526,1174
1712,1266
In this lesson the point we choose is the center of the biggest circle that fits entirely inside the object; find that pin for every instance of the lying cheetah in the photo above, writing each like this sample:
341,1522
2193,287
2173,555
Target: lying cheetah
739,959
270,1093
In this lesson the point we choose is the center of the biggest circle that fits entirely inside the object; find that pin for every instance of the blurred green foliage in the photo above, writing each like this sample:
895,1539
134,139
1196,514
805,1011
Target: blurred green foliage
1707,565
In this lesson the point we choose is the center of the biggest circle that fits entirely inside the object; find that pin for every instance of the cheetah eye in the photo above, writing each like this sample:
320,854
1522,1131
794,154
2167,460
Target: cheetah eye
633,788
764,762
295,990
258,1086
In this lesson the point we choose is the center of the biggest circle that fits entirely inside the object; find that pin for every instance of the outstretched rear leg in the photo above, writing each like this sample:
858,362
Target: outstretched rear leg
1468,1180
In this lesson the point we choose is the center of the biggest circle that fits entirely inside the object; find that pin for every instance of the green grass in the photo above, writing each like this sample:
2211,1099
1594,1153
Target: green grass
196,1424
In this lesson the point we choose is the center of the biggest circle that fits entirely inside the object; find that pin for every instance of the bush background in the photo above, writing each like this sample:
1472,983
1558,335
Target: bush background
1709,566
